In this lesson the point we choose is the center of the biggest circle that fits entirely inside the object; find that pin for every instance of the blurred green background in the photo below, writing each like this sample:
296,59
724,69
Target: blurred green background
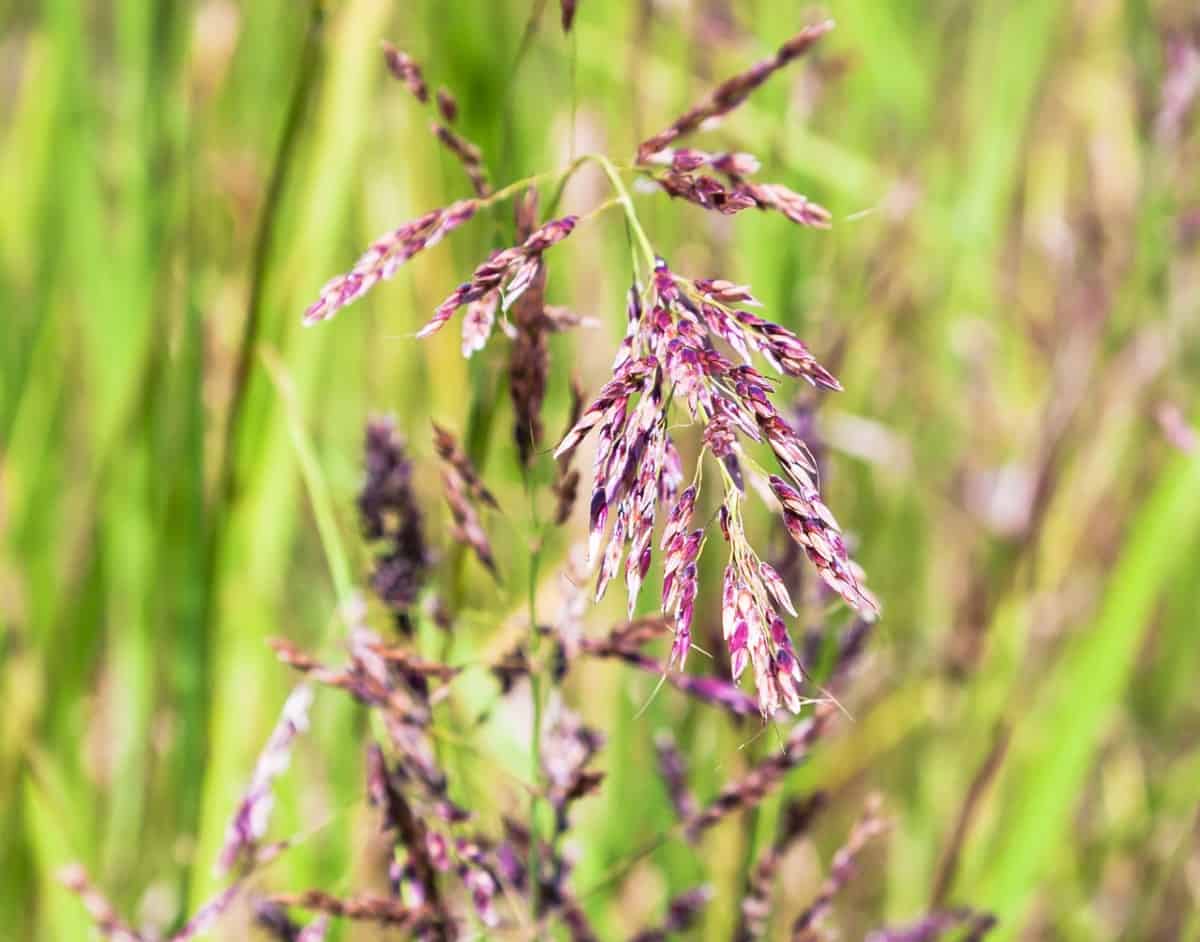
1010,295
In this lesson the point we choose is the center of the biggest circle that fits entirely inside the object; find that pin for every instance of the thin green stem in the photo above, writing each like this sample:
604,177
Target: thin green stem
635,225
574,165
517,186
536,695
314,481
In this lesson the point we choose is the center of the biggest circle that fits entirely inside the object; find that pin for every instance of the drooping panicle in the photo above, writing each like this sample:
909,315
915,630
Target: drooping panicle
669,354
385,256
681,179
733,91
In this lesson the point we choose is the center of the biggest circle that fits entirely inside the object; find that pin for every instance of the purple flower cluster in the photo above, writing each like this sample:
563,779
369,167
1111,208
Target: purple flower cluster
736,193
670,355
391,520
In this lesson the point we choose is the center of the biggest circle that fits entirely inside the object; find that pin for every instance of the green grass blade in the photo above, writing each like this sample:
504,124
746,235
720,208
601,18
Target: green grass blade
1056,741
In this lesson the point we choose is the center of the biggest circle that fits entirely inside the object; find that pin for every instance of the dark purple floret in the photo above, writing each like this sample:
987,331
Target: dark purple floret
391,519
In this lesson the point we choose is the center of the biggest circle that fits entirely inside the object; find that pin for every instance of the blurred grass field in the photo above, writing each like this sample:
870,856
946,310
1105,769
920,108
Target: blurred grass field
1010,295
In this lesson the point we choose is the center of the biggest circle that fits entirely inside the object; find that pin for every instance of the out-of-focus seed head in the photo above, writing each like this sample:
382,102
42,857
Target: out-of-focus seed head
447,106
391,519
568,9
404,68
249,823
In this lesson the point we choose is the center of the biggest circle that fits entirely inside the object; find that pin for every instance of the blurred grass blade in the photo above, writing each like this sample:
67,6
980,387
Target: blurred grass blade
1056,741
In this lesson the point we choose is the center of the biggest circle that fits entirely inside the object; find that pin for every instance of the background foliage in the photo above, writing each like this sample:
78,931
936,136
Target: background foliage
1009,295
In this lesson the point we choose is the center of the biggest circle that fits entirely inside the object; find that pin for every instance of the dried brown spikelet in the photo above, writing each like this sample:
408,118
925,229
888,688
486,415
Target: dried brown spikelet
406,69
385,256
